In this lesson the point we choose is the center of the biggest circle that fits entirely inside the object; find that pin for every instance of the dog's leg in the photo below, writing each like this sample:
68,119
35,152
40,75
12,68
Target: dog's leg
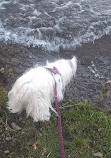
38,108
59,88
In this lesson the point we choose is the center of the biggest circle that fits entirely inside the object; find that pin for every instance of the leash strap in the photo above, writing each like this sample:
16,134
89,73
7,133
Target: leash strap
54,70
59,123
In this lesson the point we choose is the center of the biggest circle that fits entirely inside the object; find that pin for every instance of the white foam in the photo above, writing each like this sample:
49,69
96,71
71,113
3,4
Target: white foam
65,5
23,36
37,13
2,3
94,71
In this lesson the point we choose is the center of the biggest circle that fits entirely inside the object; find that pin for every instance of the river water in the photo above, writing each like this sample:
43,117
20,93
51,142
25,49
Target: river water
54,23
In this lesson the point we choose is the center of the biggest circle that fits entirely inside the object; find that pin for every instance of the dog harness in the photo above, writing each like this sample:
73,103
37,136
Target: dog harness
54,70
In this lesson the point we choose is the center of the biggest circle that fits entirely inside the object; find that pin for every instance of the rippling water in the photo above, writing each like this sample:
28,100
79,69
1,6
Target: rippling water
54,23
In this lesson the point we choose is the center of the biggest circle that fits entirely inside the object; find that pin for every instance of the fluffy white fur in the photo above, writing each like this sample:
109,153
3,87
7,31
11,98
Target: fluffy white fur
34,90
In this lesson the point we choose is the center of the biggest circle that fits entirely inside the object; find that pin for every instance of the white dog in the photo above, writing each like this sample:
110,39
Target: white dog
34,90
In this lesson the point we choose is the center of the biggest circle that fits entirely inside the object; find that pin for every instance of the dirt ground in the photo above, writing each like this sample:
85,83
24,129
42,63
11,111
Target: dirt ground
93,79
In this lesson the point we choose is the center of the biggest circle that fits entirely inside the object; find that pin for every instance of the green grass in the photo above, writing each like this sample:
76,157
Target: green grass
85,131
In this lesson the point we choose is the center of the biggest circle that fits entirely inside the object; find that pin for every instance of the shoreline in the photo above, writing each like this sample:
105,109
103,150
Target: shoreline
93,79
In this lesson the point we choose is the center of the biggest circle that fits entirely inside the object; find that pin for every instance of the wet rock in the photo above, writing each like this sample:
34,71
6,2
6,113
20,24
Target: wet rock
6,152
15,126
8,138
98,154
2,70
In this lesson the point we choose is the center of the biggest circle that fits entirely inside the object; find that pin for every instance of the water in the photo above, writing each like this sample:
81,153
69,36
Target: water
54,23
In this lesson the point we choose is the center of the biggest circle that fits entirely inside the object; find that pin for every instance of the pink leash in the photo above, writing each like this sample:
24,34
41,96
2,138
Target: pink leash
55,71
59,123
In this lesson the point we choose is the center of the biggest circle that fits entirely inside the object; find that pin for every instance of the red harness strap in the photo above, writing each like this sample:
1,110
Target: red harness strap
55,71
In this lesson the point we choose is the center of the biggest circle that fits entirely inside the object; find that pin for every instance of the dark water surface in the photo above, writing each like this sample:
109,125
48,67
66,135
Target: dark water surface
54,23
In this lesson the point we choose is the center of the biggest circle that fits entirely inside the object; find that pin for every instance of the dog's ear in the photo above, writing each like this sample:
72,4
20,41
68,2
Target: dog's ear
74,60
74,63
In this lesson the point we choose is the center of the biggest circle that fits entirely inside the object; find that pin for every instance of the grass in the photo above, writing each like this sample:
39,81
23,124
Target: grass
85,131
